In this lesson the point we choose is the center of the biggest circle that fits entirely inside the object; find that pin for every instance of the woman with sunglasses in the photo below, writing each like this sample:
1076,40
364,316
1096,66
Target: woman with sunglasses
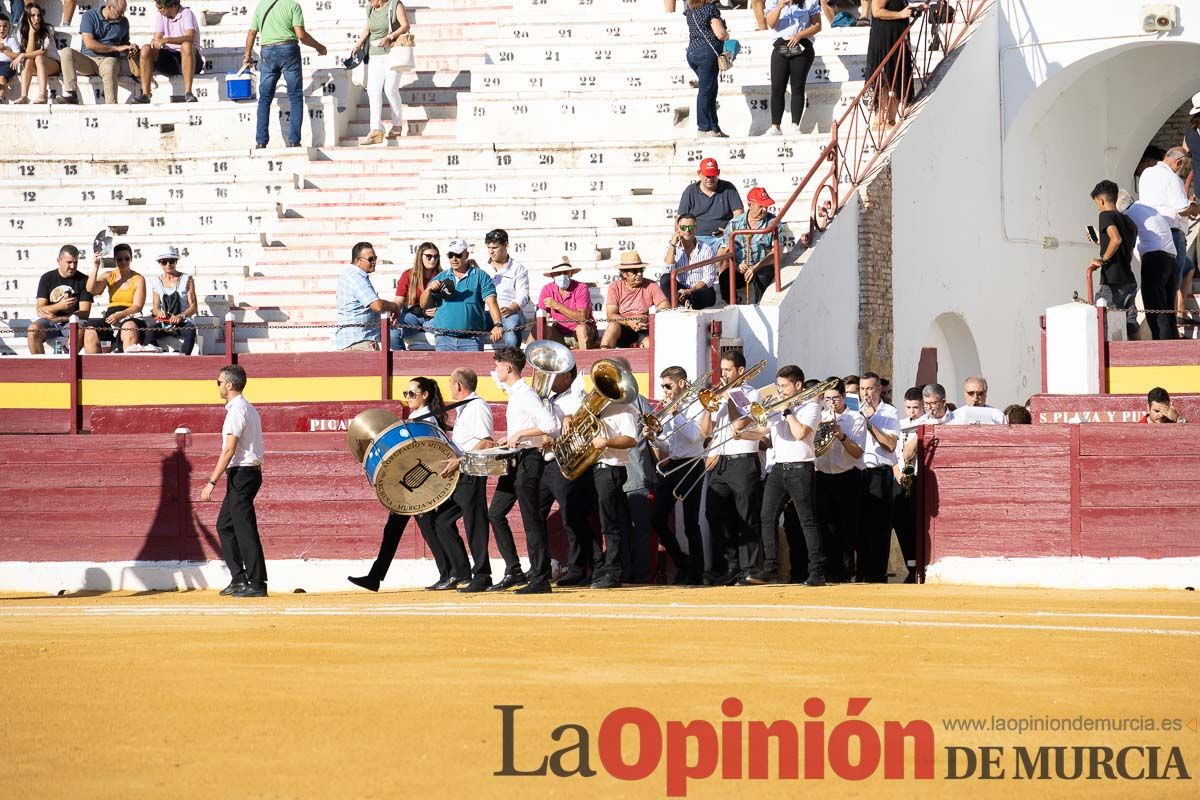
126,296
39,53
426,264
172,303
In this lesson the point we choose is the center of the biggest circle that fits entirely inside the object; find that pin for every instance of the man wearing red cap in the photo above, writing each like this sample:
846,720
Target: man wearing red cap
712,201
753,255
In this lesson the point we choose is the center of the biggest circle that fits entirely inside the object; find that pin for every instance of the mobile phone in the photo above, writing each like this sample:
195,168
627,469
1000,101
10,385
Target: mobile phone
1091,232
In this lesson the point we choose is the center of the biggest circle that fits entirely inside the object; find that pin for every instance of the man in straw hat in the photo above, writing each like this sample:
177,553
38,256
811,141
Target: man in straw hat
628,304
568,307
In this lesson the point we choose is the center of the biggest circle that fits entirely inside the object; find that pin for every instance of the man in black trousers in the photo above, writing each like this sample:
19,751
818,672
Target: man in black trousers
575,498
879,457
679,445
241,463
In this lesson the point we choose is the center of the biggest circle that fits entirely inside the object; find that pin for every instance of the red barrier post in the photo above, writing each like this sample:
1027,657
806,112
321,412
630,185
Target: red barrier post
540,317
230,356
75,361
385,354
675,289
1102,346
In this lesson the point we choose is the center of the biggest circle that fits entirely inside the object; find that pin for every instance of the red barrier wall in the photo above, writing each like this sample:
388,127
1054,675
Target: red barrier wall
1074,408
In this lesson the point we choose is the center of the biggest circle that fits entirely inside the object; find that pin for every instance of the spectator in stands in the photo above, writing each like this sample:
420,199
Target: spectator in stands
568,307
358,304
1118,233
62,292
175,50
466,291
1156,251
39,53
792,54
1017,415
10,48
1159,409
511,280
1162,188
126,297
426,264
694,287
975,392
889,24
706,32
387,21
172,304
628,304
712,201
282,25
17,8
753,256
105,35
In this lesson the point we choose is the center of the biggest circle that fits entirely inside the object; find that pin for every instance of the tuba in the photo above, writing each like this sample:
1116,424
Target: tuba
611,383
549,360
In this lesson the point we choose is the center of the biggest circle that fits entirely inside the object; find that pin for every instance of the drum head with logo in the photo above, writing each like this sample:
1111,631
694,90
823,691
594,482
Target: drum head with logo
404,465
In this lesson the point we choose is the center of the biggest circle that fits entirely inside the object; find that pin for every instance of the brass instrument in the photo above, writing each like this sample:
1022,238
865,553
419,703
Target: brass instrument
549,360
759,412
654,422
823,438
612,383
711,398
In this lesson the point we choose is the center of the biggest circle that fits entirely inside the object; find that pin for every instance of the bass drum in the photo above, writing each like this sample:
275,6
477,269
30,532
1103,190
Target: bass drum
403,465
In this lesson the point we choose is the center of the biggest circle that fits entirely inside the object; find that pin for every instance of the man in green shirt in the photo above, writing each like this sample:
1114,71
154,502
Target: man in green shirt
281,25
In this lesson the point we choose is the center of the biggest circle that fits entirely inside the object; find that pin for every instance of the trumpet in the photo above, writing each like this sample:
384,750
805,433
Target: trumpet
711,398
654,422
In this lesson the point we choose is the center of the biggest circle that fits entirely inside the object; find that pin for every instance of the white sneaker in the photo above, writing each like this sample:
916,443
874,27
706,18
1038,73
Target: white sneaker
773,131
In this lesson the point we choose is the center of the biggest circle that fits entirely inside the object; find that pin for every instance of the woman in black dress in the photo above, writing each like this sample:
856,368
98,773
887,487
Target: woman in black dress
889,21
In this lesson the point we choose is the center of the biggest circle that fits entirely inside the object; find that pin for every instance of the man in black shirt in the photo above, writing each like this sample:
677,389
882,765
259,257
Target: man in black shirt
712,201
61,293
1118,234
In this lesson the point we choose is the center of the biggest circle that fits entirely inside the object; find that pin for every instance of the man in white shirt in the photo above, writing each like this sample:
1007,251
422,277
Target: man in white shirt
839,487
879,456
530,423
791,433
679,449
512,286
1156,250
1161,187
609,474
574,498
904,510
975,391
241,462
933,400
732,505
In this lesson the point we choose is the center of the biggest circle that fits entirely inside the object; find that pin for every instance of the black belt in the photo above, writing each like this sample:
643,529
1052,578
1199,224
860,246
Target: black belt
251,466
740,455
794,464
881,466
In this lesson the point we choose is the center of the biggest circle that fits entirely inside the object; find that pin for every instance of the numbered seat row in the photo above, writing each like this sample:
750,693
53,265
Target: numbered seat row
228,165
257,191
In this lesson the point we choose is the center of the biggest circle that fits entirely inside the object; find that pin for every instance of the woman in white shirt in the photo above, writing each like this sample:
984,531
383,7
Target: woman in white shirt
39,53
796,22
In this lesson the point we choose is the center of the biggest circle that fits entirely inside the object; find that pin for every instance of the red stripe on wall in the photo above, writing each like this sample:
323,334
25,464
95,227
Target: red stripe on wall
1154,354
33,369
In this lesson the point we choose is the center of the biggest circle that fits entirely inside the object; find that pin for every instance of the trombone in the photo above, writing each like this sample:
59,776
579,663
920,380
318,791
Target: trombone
655,422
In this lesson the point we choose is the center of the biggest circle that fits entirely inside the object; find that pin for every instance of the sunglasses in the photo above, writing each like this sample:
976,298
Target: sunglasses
411,395
431,256
370,260
122,258
976,394
165,261
667,386
456,256
687,228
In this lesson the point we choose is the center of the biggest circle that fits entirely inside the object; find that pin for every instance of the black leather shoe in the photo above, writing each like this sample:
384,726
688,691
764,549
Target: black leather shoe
480,583
757,579
450,583
251,590
509,581
235,586
366,582
815,580
433,587
728,579
541,587
572,578
606,582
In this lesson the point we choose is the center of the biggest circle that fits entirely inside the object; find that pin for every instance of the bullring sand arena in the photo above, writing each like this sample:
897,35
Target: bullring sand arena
177,694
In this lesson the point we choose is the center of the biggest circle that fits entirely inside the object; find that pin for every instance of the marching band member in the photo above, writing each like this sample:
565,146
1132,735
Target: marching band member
680,442
529,422
641,481
574,498
903,508
791,435
879,456
734,485
609,474
839,485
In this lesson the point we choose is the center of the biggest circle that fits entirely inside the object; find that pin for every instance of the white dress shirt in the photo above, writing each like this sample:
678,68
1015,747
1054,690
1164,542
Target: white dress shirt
724,444
926,419
565,404
1154,230
789,449
978,415
512,285
619,420
526,410
885,420
1161,188
472,423
242,421
836,460
681,436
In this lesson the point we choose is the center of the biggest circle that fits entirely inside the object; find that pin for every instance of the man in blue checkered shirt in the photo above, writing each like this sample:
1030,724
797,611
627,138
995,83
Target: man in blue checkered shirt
358,305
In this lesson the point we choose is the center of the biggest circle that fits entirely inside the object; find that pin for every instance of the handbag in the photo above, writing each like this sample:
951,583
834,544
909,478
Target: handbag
401,57
797,49
724,59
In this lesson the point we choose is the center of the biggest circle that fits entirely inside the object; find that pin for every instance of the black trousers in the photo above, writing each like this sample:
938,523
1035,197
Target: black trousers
791,480
797,548
574,500
444,535
904,521
733,511
237,525
616,524
470,500
875,527
701,298
522,487
186,331
691,563
1160,279
636,550
393,531
838,506
762,280
793,70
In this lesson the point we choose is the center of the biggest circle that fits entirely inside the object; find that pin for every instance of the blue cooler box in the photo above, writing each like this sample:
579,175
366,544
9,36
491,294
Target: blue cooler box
237,86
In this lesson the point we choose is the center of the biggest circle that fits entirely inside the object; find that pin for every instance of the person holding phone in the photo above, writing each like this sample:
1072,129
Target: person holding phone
695,287
1118,233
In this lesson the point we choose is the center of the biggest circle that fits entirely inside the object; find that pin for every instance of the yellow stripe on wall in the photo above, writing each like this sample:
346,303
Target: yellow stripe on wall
1139,380
35,395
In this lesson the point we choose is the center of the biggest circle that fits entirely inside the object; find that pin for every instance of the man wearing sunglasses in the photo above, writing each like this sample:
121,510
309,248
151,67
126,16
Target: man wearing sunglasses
358,304
694,287
466,291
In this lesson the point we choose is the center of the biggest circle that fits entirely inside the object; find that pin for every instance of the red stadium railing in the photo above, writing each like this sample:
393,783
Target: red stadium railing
855,144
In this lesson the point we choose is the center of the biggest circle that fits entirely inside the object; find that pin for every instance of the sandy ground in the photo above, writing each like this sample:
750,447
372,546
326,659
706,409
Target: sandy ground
392,695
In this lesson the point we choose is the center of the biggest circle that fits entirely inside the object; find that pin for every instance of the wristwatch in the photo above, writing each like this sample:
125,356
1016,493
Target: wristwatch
212,483
787,412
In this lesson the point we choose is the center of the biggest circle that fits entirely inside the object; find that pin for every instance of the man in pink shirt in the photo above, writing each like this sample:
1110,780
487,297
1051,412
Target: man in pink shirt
568,307
629,299
174,51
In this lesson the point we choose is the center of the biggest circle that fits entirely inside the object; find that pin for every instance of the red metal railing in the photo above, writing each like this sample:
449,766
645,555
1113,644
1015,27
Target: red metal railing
854,142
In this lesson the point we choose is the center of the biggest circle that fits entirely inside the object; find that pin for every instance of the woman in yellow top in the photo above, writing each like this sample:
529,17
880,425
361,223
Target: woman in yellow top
126,296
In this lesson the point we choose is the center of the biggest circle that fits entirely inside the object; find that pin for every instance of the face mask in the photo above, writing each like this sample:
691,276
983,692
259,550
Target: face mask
563,281
496,379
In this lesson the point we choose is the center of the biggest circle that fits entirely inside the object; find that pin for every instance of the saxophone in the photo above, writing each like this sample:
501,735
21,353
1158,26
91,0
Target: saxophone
611,383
